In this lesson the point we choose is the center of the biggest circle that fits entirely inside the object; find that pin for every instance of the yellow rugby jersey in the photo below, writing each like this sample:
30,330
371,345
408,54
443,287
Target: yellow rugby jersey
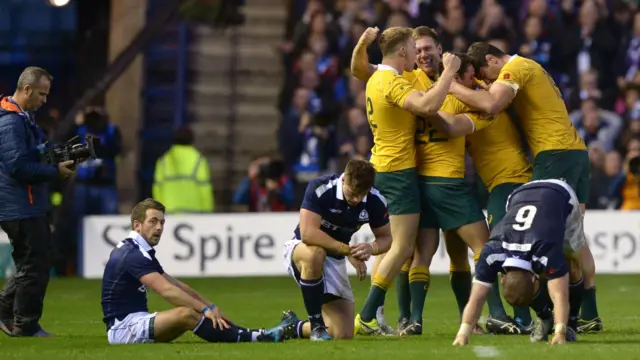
393,127
497,153
540,106
440,155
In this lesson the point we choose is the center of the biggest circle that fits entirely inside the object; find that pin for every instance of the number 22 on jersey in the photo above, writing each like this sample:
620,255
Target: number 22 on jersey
422,126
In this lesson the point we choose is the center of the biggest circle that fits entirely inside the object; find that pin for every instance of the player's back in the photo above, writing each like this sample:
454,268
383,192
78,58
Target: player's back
538,211
393,127
497,153
122,293
540,106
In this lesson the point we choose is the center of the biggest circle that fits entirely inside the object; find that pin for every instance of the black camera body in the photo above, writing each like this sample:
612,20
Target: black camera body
634,165
71,150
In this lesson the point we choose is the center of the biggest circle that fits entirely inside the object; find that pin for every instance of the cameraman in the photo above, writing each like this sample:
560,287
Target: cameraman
25,202
267,188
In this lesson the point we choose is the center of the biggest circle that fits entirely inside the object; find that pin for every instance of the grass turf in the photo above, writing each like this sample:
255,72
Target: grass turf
73,313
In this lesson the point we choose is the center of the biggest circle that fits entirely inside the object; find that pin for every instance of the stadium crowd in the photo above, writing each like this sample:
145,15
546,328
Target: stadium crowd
590,47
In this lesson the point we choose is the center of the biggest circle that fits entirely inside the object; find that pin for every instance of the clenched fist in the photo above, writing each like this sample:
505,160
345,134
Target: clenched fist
451,62
370,35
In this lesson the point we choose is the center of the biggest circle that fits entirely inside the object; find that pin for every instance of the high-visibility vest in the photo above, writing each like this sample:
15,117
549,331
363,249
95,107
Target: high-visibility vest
182,181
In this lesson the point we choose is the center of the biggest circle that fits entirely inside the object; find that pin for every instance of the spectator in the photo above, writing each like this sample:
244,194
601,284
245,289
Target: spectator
589,88
593,123
629,59
266,188
534,46
588,44
182,179
625,189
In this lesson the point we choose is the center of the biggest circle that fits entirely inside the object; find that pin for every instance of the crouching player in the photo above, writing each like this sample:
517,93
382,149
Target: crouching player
333,209
541,234
133,268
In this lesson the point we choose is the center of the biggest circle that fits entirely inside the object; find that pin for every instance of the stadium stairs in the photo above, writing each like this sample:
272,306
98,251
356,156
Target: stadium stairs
235,76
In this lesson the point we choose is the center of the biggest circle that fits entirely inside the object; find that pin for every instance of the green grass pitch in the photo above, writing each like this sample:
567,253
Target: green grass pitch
72,311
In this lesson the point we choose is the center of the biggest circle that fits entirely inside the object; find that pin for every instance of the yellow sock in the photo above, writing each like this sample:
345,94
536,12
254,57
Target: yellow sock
406,267
419,273
381,282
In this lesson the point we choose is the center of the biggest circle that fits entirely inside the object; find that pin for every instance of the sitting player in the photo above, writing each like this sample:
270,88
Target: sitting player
133,268
333,209
541,233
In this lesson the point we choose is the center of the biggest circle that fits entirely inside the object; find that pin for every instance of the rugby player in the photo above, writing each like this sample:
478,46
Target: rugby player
541,234
500,161
133,268
333,209
435,154
392,104
558,150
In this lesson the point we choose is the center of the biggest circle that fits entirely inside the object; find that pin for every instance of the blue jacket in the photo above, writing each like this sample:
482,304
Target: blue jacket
24,179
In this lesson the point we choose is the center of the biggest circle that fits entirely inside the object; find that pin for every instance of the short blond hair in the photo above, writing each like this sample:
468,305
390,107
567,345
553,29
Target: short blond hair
393,38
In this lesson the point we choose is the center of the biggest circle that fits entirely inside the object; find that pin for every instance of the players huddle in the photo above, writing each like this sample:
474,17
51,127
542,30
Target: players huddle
426,111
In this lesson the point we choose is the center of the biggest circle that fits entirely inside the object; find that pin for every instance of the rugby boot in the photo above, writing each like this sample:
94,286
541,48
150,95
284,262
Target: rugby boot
385,328
289,320
506,326
366,328
274,335
589,326
402,324
414,328
319,333
542,330
6,326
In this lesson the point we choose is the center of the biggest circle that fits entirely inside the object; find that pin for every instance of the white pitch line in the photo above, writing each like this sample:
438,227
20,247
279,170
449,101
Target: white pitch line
486,351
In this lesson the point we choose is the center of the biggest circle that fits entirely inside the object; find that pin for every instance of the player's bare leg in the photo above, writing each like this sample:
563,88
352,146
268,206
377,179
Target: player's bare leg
404,229
386,329
420,278
589,318
309,261
458,251
168,325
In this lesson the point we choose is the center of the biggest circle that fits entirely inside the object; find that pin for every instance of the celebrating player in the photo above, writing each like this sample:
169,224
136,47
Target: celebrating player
392,104
541,234
333,209
133,268
558,150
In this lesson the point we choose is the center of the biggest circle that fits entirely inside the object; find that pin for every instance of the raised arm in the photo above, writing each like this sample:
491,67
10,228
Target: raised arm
427,103
360,67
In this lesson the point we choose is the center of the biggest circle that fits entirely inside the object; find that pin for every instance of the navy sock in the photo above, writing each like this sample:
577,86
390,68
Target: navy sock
206,331
576,292
312,294
540,302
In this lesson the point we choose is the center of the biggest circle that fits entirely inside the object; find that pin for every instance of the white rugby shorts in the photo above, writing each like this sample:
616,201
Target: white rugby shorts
334,271
133,329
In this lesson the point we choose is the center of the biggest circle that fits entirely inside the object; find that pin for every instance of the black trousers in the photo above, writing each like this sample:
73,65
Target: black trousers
22,298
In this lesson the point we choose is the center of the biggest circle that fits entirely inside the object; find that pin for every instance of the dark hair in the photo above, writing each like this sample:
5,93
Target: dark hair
359,176
31,76
478,52
518,289
139,212
465,61
183,136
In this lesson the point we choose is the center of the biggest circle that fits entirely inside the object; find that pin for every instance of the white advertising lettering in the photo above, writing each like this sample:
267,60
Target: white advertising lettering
253,244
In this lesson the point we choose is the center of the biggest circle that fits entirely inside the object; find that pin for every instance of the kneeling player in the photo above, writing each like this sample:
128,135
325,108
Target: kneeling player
133,268
541,234
333,209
